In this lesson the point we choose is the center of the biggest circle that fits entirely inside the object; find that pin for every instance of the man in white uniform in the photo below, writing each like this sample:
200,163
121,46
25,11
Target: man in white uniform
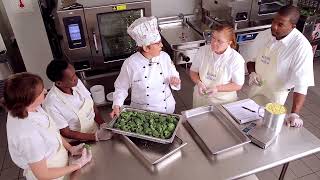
282,59
70,105
149,72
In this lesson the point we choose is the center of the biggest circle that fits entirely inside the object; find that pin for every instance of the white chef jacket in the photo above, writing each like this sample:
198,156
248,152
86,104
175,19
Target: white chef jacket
61,114
234,71
149,82
29,140
295,58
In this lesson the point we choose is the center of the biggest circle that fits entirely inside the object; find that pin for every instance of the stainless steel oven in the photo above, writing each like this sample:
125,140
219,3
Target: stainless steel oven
95,36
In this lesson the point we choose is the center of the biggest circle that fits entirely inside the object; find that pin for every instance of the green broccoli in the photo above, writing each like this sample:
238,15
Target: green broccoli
87,146
155,133
167,134
147,123
171,127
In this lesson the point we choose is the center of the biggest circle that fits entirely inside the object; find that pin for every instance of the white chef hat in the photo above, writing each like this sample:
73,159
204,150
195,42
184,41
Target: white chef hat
144,31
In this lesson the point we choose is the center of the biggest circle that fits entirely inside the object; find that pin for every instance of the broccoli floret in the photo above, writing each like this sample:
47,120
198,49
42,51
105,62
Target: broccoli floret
171,127
87,146
147,131
146,125
116,125
171,119
167,134
152,127
155,133
138,121
164,126
125,128
162,119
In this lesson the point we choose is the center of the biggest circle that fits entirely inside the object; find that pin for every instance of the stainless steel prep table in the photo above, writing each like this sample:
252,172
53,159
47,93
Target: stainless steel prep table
112,159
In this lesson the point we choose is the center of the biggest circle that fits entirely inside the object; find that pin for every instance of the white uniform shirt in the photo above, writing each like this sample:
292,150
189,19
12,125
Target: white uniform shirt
295,59
29,140
234,70
61,114
148,82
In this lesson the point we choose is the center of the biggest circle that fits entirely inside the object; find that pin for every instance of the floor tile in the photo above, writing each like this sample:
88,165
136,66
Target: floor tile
9,174
2,155
313,176
288,176
8,163
313,162
266,175
299,168
21,173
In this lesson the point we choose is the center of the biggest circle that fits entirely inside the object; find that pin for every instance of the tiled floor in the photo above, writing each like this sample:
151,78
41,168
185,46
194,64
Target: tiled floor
307,168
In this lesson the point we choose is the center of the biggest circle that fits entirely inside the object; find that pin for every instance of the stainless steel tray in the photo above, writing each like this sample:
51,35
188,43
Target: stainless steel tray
217,131
150,138
152,154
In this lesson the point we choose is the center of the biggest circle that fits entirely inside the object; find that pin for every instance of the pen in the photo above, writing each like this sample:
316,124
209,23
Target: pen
248,109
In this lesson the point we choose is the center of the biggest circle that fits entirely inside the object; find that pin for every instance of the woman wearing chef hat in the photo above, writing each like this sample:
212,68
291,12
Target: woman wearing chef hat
34,142
218,70
149,72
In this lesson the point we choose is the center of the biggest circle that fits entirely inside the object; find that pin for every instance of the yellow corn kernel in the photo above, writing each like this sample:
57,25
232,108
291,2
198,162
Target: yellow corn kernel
276,108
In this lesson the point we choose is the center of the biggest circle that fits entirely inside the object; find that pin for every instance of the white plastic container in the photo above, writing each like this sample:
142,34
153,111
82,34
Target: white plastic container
110,96
97,92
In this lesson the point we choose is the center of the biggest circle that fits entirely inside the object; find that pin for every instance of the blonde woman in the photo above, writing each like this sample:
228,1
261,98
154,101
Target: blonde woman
218,70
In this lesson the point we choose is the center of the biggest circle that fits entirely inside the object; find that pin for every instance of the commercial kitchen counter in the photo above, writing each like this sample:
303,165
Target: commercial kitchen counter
112,159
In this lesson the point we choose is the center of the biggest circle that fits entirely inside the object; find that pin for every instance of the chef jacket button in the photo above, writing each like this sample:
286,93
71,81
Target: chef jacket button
145,77
147,86
147,104
165,108
163,83
147,94
164,100
158,63
163,91
161,73
150,64
144,67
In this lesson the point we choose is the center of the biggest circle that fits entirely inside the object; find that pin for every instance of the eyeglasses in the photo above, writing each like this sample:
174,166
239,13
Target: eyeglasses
217,40
158,43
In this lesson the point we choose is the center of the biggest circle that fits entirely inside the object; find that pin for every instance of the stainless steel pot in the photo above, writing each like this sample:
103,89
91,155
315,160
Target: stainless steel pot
273,121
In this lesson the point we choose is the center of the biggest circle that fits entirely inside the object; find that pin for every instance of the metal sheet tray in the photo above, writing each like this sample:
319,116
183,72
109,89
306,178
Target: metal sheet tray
145,137
217,131
153,154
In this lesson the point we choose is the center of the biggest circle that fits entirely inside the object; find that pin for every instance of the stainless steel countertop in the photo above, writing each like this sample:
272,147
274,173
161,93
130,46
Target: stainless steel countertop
113,160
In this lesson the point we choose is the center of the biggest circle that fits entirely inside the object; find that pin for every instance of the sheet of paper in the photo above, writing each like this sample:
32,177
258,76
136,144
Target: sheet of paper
243,111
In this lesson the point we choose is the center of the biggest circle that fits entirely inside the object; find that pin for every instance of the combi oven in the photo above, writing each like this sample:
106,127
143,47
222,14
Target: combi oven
95,35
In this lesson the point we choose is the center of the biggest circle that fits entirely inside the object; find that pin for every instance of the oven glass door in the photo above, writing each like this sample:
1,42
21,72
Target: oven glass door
270,6
116,42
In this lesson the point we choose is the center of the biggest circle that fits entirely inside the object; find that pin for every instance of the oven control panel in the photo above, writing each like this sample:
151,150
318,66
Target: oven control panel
74,31
246,37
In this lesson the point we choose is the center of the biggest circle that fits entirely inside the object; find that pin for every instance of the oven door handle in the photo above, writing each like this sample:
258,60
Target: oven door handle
95,42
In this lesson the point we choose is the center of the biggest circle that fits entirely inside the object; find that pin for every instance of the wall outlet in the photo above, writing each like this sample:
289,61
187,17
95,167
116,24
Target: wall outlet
22,6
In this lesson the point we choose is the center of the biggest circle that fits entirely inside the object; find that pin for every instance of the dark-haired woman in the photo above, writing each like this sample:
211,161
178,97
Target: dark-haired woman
218,70
35,144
